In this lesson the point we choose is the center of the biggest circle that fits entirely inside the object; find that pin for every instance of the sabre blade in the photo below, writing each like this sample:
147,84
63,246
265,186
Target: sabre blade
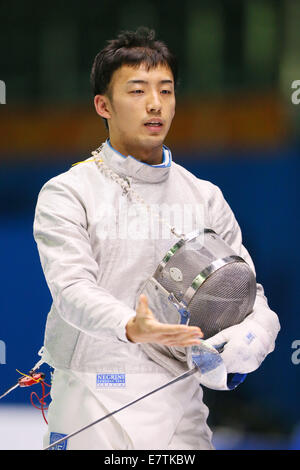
177,379
9,390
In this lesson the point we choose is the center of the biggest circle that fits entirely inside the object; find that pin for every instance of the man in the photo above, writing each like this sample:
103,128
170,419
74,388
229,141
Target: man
96,257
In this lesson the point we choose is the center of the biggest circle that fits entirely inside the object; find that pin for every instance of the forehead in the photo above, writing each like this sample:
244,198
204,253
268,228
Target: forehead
126,73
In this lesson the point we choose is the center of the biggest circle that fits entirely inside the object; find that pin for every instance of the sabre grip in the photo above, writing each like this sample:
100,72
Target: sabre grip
31,379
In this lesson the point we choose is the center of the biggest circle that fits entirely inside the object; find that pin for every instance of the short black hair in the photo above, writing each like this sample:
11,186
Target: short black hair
130,48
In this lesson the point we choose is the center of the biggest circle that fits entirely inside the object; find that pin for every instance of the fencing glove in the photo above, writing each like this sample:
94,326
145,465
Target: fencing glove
244,346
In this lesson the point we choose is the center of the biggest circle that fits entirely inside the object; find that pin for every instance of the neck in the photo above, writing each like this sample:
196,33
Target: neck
153,156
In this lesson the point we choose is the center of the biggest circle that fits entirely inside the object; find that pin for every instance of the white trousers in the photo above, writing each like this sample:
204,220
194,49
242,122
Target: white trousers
172,418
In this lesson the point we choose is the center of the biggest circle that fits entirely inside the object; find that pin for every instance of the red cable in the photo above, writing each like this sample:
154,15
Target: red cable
41,400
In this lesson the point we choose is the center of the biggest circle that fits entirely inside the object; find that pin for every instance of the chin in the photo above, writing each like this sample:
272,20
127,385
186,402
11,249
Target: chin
153,140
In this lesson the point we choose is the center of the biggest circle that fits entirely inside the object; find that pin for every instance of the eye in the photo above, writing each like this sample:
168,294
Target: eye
166,92
137,91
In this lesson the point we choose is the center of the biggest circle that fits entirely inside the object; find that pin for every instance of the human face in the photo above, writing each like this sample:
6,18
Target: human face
136,97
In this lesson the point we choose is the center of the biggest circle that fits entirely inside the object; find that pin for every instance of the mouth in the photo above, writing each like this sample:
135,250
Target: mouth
154,126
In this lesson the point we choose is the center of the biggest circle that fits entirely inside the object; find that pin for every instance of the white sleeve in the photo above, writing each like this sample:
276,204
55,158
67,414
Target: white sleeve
225,225
70,269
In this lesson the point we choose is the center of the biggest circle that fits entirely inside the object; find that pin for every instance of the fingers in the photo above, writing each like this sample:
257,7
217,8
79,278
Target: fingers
142,308
173,335
143,301
185,344
179,339
171,329
148,330
177,332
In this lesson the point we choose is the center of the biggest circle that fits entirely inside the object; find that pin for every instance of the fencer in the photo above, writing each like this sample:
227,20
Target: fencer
97,250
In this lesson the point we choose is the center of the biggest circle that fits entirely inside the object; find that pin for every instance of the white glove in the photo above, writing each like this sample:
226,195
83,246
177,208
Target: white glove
245,346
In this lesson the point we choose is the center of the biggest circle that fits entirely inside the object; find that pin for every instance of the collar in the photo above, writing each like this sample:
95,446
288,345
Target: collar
130,166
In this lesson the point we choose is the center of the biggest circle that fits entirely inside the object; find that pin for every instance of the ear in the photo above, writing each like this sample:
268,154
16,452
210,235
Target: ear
102,107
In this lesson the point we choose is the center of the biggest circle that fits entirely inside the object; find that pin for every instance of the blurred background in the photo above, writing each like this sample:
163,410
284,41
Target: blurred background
237,125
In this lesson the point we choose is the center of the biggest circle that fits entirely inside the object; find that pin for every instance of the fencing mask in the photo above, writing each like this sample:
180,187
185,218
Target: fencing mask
201,282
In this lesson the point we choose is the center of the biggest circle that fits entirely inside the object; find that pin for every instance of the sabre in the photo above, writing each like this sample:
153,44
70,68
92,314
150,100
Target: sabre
205,359
177,379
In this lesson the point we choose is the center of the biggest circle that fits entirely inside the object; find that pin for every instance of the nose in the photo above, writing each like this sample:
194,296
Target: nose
154,103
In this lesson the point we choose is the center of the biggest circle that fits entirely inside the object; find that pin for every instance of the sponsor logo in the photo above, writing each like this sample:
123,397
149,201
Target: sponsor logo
55,436
110,381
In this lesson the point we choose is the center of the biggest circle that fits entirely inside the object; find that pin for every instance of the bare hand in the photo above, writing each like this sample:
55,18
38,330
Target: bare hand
144,328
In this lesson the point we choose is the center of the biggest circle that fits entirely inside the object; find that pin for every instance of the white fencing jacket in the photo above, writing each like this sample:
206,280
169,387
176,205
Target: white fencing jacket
97,251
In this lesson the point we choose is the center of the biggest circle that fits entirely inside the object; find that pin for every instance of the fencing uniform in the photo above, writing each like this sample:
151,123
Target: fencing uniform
97,250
